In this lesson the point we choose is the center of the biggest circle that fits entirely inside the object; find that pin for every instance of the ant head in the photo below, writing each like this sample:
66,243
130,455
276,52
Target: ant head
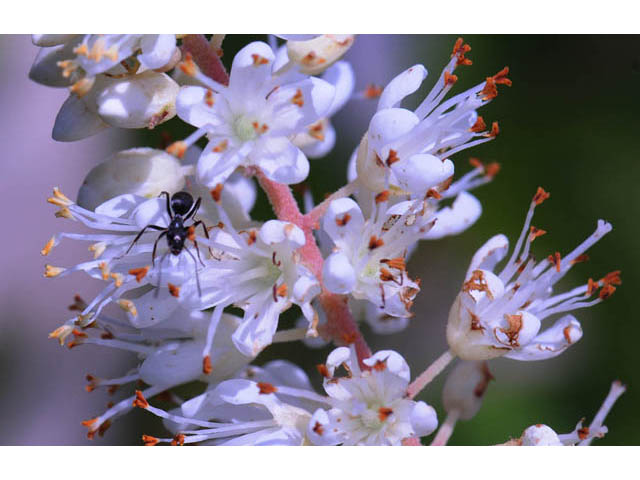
181,202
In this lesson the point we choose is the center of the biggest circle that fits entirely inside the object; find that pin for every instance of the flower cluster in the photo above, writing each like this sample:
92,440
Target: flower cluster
203,285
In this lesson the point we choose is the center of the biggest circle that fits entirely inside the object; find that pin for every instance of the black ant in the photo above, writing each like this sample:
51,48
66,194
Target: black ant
180,207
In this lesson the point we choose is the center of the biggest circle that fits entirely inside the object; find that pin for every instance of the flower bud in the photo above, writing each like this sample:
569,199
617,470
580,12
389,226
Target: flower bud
465,388
144,100
141,171
316,55
540,436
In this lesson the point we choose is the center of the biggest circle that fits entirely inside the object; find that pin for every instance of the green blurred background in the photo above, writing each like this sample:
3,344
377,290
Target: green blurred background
568,123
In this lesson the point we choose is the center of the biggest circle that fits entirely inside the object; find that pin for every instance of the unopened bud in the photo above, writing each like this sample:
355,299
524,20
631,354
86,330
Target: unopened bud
316,55
465,388
140,171
144,100
540,436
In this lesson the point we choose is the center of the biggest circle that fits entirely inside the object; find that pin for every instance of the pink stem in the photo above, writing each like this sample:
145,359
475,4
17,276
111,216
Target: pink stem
340,324
445,431
430,373
206,58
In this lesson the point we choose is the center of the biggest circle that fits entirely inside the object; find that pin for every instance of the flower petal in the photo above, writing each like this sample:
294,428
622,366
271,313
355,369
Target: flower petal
424,419
299,105
464,212
157,50
76,121
251,70
338,274
280,160
418,173
404,84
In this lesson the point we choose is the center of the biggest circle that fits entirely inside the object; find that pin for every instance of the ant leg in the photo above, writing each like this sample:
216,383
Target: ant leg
206,233
194,209
166,194
195,263
198,252
155,245
155,294
154,227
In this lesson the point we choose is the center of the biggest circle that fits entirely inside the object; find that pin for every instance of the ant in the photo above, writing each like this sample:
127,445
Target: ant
180,207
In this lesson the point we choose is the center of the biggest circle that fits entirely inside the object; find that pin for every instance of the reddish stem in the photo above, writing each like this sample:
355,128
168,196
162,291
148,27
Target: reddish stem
341,326
206,58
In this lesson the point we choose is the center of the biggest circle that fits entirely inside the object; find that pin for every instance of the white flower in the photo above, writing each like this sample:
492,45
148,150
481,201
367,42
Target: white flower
249,122
409,150
243,411
170,354
146,279
500,314
449,220
369,407
540,435
145,172
257,270
369,258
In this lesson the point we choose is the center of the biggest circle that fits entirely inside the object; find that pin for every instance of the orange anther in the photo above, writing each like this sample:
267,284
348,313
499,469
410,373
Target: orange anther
140,401
375,242
139,273
174,290
540,196
266,388
479,126
392,158
216,193
206,365
383,196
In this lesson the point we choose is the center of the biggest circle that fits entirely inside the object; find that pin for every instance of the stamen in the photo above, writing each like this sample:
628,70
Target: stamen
174,290
298,98
188,66
392,158
540,196
177,149
382,196
375,242
259,60
51,271
341,222
206,365
149,441
372,91
47,248
266,388
535,233
384,413
216,193
128,306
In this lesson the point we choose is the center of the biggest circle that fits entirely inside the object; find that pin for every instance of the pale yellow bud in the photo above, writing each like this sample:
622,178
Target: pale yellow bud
316,55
